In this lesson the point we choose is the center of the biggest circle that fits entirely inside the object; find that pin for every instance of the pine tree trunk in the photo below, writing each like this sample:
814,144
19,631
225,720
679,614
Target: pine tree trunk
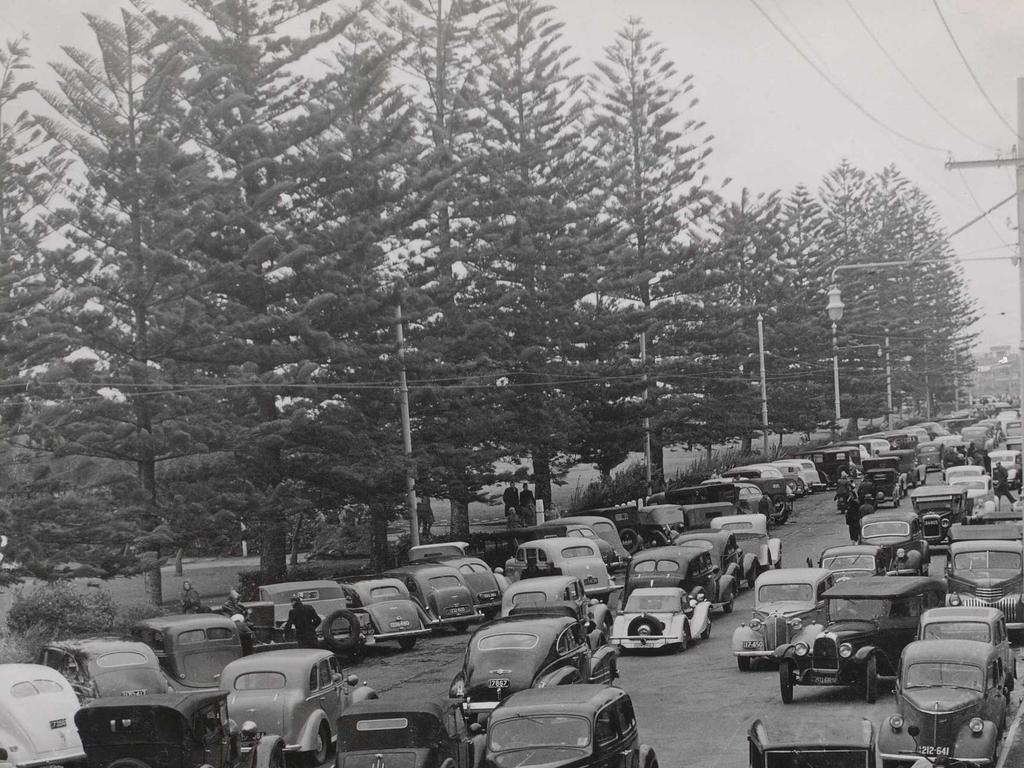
657,465
294,556
746,445
177,561
153,579
542,480
273,549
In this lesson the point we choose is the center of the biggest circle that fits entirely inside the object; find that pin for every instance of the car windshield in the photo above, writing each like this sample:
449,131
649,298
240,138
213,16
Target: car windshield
782,593
889,528
946,673
444,582
958,630
749,535
511,641
538,731
652,603
849,563
857,608
259,681
983,561
661,566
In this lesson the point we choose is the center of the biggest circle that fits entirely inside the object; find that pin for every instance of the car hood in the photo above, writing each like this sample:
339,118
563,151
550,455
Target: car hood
887,541
391,615
941,699
849,630
786,608
387,758
266,709
984,578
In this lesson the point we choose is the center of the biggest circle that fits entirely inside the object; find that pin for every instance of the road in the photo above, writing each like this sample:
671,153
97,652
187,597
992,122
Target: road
694,708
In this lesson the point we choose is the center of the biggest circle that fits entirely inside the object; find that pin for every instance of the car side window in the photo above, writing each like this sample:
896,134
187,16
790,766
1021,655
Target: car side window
336,668
565,643
627,718
605,726
313,684
325,673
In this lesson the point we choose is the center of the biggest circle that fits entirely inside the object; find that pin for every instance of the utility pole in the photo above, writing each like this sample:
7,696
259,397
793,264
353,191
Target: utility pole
764,385
647,418
403,396
888,382
1016,159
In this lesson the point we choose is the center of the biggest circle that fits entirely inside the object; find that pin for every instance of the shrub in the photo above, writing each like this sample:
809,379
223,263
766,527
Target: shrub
59,610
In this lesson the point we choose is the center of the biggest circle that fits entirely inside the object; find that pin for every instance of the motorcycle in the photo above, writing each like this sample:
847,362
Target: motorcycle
843,502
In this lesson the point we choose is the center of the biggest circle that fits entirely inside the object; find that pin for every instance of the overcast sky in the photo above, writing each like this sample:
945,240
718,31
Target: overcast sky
778,123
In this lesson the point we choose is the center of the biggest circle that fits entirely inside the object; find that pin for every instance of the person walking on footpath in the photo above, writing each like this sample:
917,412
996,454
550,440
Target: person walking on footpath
305,620
527,505
426,517
1001,481
190,600
511,499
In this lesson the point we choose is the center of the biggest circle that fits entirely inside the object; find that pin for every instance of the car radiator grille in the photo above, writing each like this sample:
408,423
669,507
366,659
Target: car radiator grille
826,655
1010,606
931,526
776,632
993,593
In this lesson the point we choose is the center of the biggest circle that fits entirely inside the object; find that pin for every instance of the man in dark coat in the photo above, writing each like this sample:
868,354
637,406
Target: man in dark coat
866,490
527,504
854,514
1001,484
511,499
305,621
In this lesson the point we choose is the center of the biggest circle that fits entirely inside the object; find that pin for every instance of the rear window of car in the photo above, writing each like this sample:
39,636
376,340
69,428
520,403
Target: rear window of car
474,568
383,724
441,582
529,598
260,681
511,641
26,688
121,659
383,593
570,552
660,566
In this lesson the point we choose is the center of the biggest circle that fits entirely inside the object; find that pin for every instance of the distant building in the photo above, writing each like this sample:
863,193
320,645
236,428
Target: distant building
998,374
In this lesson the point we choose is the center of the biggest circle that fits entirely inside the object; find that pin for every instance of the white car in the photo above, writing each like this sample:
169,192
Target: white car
979,490
761,552
1011,460
805,469
37,717
967,470
661,617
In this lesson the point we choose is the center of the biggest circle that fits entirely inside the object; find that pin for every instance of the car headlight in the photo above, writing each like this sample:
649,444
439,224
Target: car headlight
901,553
945,522
846,650
796,623
879,495
693,602
801,649
954,599
896,722
976,725
755,624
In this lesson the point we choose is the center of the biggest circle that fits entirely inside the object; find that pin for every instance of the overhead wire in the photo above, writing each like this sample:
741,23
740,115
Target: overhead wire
974,199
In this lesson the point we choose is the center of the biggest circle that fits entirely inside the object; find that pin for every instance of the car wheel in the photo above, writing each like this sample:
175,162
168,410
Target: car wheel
743,662
684,641
460,626
654,626
707,630
786,681
341,631
727,608
871,681
322,750
407,643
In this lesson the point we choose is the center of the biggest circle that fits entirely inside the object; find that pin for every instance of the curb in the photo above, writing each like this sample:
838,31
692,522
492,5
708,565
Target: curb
1014,741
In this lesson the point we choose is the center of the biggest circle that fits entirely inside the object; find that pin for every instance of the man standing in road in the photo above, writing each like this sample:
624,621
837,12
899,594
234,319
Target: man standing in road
527,505
511,499
305,621
866,491
1001,481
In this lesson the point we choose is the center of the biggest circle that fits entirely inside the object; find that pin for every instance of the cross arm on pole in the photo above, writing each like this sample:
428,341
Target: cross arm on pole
998,162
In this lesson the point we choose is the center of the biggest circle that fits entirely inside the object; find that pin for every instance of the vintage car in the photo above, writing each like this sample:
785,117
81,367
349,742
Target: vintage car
567,556
419,733
981,435
851,561
884,474
566,526
173,730
772,483
393,614
437,550
982,625
606,529
725,551
939,507
792,473
868,623
37,720
341,630
980,494
556,591
1011,460
441,591
804,469
761,552
105,666
691,567
661,617
574,725
809,742
784,600
832,462
950,703
930,455
900,537
660,522
297,694
715,497
531,651
933,428
484,584
875,445
988,573
192,648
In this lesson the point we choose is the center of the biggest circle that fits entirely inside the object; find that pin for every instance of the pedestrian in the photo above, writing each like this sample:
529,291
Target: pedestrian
233,605
853,515
527,505
866,490
844,489
511,499
1001,481
426,517
305,620
245,633
765,506
190,600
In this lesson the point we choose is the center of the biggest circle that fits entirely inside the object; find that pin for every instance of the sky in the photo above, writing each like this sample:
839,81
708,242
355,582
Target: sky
901,89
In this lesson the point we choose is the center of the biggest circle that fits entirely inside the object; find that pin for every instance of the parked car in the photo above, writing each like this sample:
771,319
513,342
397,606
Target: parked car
761,552
784,600
563,556
437,550
988,573
572,527
105,666
298,694
341,630
715,496
831,462
173,730
981,436
930,455
834,743
441,591
725,551
661,617
939,507
874,445
851,561
509,655
192,648
485,586
772,483
982,625
576,725
690,567
962,470
868,623
606,529
418,733
980,493
660,522
566,591
900,538
37,718
393,614
805,469
884,474
950,703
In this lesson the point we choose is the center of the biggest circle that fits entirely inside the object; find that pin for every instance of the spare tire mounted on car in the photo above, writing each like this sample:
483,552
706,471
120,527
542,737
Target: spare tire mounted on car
646,625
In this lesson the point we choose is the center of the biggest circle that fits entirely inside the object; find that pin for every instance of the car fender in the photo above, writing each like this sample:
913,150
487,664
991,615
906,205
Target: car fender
730,571
600,614
741,634
269,751
893,742
784,651
307,736
775,551
750,560
982,745
863,654
700,618
726,588
676,626
647,756
561,676
604,664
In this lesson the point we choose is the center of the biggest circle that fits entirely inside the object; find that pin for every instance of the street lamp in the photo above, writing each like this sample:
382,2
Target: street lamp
835,314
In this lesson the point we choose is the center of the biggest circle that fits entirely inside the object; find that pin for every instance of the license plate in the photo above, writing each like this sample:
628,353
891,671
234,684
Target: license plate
927,749
590,580
138,692
399,624
497,682
753,643
457,611
62,723
822,678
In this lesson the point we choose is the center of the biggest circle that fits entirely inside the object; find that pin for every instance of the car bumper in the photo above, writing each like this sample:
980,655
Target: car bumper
753,653
479,706
383,637
815,676
903,759
637,642
69,756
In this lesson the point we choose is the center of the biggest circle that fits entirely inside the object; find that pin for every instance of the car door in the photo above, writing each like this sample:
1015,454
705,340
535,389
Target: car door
209,731
1001,640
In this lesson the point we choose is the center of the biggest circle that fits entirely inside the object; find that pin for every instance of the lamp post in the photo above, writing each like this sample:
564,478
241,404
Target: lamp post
835,314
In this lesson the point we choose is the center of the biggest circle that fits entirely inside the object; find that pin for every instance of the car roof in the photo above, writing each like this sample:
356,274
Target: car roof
949,650
988,545
851,549
284,661
871,586
936,490
562,541
423,566
989,532
793,576
678,552
97,645
808,731
541,584
889,516
298,586
658,591
16,672
396,708
538,623
581,519
715,535
962,613
186,621
365,585
754,522
186,703
583,699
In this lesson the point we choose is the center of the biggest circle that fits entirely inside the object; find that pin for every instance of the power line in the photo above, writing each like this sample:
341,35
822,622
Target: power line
970,193
839,89
910,82
970,69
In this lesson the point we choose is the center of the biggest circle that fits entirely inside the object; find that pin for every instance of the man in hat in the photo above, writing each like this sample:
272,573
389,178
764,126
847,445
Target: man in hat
305,620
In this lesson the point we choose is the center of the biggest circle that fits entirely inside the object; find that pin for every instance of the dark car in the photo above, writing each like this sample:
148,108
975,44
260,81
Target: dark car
812,743
869,623
655,524
901,540
176,730
988,573
441,591
851,561
533,650
691,567
940,507
192,648
410,734
950,703
884,474
725,550
832,462
105,666
589,726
